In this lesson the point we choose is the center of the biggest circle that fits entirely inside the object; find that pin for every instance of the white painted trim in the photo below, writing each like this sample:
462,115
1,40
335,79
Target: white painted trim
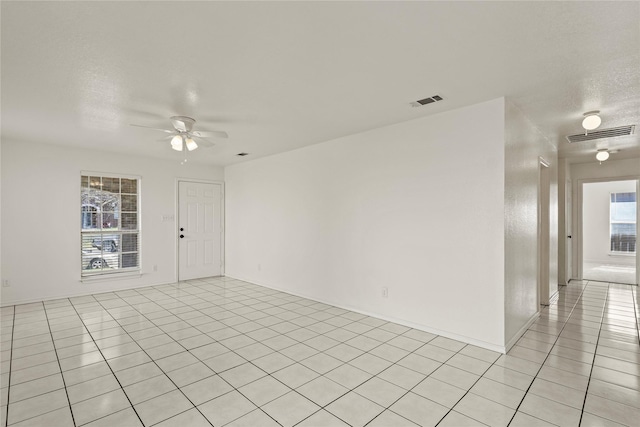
126,273
543,241
105,277
522,330
110,174
425,328
544,162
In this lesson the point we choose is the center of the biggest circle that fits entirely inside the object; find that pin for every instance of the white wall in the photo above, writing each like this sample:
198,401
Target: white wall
524,145
416,207
593,171
596,197
41,218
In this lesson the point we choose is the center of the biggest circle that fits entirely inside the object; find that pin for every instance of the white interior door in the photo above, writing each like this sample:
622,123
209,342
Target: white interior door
199,230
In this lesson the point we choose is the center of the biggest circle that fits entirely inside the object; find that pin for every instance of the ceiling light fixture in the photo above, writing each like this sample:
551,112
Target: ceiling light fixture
591,120
191,144
602,155
176,142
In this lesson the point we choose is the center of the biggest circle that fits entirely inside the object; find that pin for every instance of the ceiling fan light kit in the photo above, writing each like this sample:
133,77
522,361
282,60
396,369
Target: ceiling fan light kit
183,134
176,143
191,144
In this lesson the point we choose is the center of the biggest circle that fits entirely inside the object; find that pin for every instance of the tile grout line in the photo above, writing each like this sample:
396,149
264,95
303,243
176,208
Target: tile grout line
427,376
13,327
366,352
492,364
584,287
636,309
318,351
186,350
595,352
110,368
44,308
147,354
240,295
273,351
233,351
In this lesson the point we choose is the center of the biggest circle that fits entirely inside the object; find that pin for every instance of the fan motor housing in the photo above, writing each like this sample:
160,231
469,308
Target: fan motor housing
183,123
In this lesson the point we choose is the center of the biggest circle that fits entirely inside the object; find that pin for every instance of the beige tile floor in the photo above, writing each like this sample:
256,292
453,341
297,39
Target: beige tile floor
224,352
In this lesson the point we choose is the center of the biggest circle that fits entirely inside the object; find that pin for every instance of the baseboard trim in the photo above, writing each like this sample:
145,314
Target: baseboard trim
421,327
522,330
79,294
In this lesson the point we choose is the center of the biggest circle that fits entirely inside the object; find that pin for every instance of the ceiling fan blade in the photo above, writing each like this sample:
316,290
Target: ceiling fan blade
214,133
149,127
203,141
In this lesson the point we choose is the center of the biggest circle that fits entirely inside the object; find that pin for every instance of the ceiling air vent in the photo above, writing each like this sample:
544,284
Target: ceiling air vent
425,101
603,133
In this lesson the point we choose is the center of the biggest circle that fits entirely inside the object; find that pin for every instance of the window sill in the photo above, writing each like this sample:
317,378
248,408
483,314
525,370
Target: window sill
623,254
111,276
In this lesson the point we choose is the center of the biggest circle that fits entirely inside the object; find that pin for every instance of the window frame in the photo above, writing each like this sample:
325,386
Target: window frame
612,196
109,273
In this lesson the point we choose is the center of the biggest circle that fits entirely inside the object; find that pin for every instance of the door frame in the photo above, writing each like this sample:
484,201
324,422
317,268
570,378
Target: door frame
544,231
568,231
577,231
177,221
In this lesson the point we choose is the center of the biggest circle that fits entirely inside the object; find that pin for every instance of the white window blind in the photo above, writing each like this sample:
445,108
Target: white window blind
110,224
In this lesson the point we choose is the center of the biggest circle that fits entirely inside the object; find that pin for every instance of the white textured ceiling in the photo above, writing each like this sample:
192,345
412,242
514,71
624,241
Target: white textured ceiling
278,76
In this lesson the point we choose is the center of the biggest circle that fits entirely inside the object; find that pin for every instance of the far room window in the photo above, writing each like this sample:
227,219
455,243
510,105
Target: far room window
623,222
110,224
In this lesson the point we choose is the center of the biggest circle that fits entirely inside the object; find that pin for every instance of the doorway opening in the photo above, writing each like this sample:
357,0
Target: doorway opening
609,231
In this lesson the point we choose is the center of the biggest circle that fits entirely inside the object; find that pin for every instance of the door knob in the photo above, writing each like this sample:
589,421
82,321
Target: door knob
182,236
569,236
181,229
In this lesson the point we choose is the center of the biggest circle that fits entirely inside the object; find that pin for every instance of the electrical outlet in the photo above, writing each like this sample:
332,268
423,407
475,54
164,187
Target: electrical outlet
385,292
5,283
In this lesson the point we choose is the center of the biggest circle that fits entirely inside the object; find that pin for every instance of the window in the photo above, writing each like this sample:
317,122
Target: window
110,224
622,222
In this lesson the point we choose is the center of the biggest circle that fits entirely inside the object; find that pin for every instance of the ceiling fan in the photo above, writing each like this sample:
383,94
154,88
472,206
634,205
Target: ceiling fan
182,136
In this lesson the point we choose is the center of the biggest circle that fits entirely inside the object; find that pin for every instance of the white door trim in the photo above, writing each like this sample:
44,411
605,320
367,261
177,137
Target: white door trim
544,231
177,218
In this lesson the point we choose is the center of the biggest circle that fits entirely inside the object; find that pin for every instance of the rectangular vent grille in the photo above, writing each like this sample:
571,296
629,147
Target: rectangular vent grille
425,101
604,133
